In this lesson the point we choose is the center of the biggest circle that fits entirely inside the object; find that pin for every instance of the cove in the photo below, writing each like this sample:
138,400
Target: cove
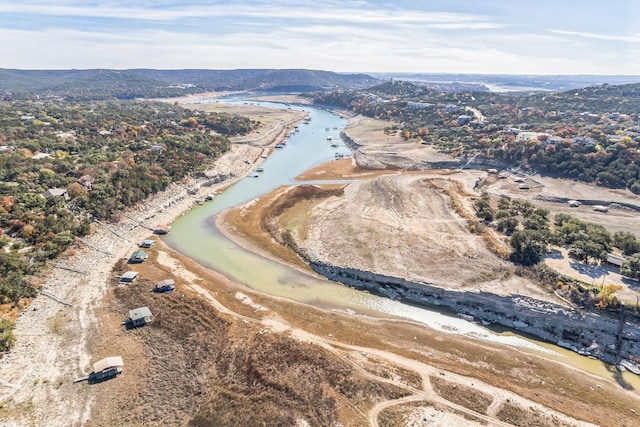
195,235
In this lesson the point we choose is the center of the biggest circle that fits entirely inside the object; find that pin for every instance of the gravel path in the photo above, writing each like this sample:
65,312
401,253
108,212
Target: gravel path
36,376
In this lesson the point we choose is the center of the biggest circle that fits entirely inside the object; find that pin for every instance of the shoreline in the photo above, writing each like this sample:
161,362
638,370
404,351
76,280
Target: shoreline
52,339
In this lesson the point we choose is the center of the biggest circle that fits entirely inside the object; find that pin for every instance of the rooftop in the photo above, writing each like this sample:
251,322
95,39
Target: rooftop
140,313
107,363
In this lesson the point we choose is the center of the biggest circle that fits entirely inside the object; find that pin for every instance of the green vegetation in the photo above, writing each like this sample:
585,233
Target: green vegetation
532,233
591,134
102,157
631,267
7,339
103,84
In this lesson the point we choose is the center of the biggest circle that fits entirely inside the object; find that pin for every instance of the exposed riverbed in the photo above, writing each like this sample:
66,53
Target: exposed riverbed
196,236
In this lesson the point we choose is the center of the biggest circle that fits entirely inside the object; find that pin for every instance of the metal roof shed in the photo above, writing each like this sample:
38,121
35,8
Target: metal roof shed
166,285
147,243
138,257
129,276
108,363
140,316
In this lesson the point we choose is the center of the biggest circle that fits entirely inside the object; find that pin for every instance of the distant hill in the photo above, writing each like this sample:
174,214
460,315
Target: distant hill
262,79
99,84
514,82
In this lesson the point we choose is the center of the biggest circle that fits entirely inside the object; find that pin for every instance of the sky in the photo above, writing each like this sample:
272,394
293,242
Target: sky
410,36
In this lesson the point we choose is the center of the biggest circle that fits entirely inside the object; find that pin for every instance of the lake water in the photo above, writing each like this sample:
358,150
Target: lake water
195,235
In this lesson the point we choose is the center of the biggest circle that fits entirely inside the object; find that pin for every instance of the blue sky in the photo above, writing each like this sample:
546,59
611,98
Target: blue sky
455,36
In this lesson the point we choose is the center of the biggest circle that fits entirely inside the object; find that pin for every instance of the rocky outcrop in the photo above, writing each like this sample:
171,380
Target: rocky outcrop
594,334
393,160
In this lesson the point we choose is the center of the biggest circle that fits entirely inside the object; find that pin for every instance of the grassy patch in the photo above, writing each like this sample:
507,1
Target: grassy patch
462,395
527,417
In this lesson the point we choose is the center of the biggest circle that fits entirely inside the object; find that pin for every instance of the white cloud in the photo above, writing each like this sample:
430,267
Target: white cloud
633,38
333,35
330,12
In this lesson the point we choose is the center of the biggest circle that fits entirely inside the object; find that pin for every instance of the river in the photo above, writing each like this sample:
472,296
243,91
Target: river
195,235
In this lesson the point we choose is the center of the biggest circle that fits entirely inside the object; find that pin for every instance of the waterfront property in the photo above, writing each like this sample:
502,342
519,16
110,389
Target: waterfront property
129,276
105,369
147,243
139,317
138,257
166,285
161,229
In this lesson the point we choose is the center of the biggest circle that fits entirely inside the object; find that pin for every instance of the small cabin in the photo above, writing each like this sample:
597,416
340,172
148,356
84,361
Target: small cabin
161,229
129,276
106,368
137,257
166,285
147,243
139,317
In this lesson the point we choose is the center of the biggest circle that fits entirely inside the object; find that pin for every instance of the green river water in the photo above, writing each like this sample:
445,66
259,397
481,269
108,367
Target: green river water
195,235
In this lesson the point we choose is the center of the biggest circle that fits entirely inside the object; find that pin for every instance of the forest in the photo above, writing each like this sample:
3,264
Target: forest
104,156
589,134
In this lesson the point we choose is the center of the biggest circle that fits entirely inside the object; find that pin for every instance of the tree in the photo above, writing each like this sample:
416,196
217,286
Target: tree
607,297
631,267
626,242
587,251
7,339
76,190
528,246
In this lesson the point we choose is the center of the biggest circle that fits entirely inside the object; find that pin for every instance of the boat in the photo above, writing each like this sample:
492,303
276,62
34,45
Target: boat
334,144
254,175
260,169
280,145
329,138
209,197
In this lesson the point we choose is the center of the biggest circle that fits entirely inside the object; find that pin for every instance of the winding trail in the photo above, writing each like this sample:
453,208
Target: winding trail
425,393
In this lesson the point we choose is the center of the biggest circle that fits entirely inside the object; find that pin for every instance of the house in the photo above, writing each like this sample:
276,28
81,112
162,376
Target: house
105,369
166,285
129,276
138,257
614,260
147,243
463,120
56,192
86,181
139,317
161,229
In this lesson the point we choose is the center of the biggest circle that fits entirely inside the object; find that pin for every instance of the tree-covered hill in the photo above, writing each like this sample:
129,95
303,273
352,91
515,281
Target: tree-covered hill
590,134
65,164
100,84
